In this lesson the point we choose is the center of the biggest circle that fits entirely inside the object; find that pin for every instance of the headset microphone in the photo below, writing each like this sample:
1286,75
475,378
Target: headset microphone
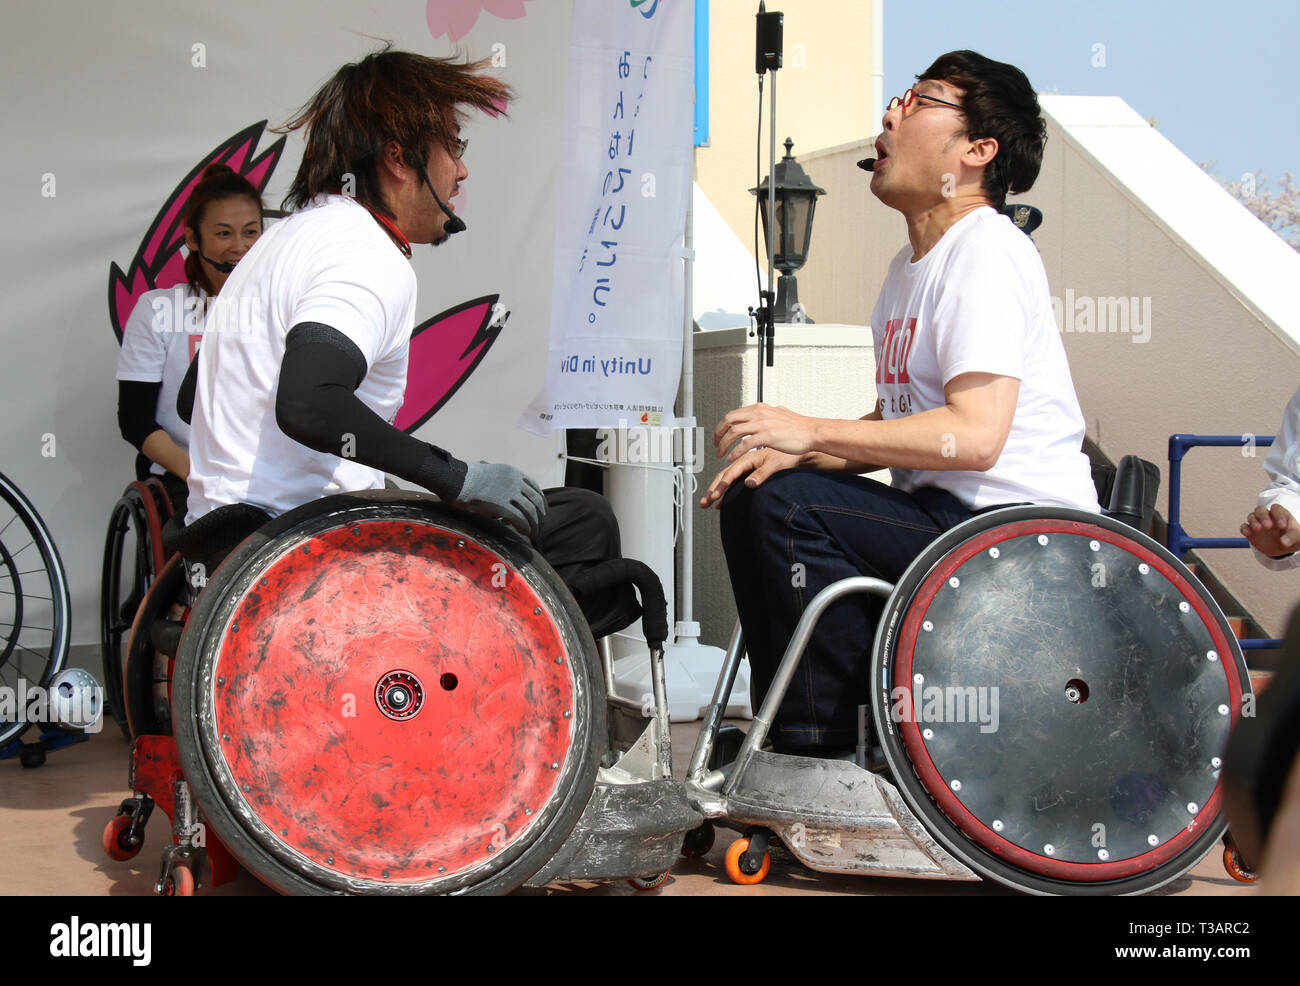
224,268
454,223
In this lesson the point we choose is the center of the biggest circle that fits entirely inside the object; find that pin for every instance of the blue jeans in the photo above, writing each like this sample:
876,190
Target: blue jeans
794,535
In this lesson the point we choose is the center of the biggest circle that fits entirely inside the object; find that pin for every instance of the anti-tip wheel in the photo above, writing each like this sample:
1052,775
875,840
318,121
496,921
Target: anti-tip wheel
649,882
698,841
1237,869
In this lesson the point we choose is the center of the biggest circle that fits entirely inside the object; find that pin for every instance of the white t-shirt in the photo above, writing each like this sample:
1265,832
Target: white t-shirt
1283,467
978,302
159,340
330,263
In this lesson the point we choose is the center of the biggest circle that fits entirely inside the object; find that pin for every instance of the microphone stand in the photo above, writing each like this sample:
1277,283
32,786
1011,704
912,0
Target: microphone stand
768,52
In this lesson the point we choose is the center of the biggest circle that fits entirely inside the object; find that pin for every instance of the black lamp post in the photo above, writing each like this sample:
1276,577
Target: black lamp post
796,199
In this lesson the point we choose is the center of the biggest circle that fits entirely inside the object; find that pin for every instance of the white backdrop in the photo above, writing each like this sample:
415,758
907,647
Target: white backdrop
106,109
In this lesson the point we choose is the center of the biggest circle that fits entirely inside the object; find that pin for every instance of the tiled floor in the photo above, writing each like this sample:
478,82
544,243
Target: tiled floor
52,817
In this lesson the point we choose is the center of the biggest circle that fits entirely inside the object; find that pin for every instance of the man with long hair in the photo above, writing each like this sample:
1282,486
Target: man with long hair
304,364
975,406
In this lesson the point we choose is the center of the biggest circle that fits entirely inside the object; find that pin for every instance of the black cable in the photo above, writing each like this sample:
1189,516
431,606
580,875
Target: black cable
758,184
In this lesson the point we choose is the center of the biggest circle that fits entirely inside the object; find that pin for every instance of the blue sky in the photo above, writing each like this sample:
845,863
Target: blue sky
1215,76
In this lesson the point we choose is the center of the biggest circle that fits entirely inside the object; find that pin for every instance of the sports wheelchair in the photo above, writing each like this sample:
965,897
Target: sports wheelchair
34,637
1113,679
373,694
134,557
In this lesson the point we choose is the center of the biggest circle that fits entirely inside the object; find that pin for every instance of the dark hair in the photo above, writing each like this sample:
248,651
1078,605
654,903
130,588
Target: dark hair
219,181
1000,103
388,95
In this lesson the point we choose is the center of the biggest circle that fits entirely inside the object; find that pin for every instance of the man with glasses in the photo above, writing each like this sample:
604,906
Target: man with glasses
305,367
975,405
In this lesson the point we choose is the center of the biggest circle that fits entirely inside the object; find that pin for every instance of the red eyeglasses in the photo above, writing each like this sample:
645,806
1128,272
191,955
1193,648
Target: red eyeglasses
911,96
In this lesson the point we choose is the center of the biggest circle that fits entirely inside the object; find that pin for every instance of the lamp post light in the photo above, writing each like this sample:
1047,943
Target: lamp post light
796,200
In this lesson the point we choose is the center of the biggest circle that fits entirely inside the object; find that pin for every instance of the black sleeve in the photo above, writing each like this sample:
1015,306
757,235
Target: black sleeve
316,405
185,395
137,403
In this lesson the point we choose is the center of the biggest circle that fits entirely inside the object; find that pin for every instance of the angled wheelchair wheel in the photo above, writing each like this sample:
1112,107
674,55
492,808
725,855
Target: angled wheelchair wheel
146,675
133,558
34,628
376,695
1054,692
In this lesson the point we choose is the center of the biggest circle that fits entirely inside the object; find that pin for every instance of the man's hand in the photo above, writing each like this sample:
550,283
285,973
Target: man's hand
503,491
764,426
1272,531
759,465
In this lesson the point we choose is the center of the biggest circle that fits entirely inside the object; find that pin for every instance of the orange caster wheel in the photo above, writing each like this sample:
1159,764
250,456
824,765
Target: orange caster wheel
1236,868
115,842
180,882
734,852
649,882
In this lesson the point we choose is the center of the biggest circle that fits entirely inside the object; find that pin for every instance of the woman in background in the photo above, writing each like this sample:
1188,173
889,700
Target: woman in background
223,218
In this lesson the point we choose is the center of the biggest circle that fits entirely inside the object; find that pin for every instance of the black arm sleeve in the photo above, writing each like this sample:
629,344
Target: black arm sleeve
137,403
185,395
316,405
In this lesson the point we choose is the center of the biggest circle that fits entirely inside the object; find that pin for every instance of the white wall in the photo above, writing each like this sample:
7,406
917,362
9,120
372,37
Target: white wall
823,370
105,97
1127,214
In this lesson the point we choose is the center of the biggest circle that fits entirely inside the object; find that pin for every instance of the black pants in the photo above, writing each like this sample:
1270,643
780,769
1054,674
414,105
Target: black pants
793,536
578,532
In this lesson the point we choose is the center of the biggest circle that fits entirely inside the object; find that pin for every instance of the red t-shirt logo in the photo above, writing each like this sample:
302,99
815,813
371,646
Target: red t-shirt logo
891,367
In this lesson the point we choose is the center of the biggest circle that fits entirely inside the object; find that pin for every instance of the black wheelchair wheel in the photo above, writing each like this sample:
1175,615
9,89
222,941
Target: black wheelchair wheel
133,557
377,695
1053,691
34,628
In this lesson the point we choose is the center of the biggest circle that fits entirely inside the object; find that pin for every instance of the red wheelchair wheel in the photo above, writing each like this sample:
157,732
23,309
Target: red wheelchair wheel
377,695
144,685
133,558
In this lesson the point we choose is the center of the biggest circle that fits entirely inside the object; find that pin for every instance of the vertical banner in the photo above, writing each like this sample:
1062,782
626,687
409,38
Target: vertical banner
625,172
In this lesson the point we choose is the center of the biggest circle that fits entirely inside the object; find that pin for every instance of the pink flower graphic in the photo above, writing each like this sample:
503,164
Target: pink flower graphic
455,18
445,350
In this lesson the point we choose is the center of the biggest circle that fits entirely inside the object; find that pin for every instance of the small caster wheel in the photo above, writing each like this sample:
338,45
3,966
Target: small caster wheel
115,839
1232,862
733,864
180,882
698,841
31,755
649,882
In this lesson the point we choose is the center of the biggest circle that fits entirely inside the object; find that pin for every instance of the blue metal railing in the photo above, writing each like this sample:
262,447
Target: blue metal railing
1177,540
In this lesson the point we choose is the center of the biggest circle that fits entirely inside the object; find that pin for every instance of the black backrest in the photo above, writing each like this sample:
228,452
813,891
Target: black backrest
1128,491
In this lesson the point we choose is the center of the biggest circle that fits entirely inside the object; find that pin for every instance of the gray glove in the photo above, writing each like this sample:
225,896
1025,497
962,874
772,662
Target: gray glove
498,490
